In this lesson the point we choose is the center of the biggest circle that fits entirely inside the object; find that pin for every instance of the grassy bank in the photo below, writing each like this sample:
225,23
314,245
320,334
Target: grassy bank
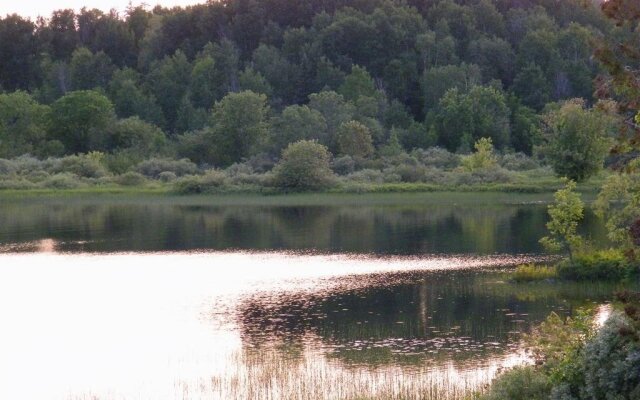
200,185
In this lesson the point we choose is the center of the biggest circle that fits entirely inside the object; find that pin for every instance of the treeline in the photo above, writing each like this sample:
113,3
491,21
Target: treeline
226,81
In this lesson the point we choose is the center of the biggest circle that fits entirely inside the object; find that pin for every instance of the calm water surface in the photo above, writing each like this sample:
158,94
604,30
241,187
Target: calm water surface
279,298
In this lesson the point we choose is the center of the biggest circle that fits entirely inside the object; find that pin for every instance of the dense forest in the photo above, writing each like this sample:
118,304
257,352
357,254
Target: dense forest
237,81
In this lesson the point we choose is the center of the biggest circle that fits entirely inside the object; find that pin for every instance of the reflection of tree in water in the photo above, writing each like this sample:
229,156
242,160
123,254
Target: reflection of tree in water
406,229
462,316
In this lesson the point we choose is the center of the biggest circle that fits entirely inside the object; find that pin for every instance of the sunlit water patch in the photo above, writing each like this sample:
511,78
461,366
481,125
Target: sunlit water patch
271,325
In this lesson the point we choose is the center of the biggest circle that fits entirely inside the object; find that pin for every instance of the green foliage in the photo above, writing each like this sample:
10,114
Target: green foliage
610,265
23,124
335,111
462,118
130,179
80,121
297,123
83,165
483,158
533,272
532,87
130,100
354,139
168,80
438,80
154,167
240,126
90,71
357,84
519,383
576,139
210,182
139,138
619,204
304,166
565,214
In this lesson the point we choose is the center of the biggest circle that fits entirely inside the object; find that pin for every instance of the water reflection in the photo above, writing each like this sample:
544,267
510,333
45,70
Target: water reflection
167,299
421,228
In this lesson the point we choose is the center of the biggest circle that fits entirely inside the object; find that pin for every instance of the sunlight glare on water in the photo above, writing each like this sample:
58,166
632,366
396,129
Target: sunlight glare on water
167,325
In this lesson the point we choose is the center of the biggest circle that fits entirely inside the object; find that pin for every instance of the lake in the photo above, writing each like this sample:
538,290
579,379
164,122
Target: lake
282,297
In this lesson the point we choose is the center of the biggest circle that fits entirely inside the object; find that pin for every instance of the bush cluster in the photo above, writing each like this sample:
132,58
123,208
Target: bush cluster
600,265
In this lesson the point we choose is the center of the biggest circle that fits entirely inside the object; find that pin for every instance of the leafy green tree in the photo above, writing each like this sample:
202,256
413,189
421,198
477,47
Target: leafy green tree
494,56
168,81
436,82
304,166
462,118
484,157
354,139
189,117
23,124
335,111
130,100
250,79
137,136
80,120
283,76
297,123
532,87
358,83
204,87
576,139
131,141
540,47
525,129
619,204
89,71
564,215
240,126
488,18
18,52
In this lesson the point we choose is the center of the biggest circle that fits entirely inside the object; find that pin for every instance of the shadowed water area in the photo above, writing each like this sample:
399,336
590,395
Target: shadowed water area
298,297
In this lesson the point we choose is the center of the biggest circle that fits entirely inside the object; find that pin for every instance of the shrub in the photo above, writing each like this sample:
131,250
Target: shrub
37,176
7,167
304,166
496,175
483,159
167,176
26,164
343,165
410,173
612,361
153,167
261,162
130,179
83,165
519,383
207,183
532,272
120,162
366,176
518,162
16,184
437,157
239,169
247,179
600,265
62,181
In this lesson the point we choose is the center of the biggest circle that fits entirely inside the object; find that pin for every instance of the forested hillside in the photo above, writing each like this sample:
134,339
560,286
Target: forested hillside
224,82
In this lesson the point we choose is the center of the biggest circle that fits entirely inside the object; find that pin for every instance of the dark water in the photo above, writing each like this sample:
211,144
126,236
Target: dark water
399,296
457,224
